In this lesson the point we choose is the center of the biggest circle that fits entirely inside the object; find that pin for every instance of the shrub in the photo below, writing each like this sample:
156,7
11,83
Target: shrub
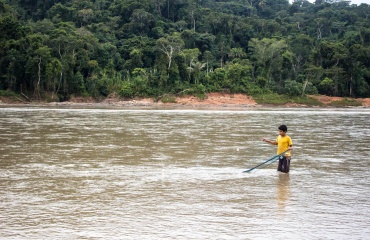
127,90
7,93
167,98
293,88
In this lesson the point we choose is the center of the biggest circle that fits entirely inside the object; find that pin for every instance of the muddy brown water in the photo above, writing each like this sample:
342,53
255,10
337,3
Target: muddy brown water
177,174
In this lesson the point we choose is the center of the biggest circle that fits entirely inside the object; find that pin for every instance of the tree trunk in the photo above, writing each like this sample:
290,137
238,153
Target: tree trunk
304,86
37,87
207,68
350,86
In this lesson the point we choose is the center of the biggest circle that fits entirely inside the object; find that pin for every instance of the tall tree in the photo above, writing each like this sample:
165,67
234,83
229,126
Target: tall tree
170,45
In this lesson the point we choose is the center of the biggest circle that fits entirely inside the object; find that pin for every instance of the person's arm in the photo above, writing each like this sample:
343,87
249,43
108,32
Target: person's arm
290,144
269,141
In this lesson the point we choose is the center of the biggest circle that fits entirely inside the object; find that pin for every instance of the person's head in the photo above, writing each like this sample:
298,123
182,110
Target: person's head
282,130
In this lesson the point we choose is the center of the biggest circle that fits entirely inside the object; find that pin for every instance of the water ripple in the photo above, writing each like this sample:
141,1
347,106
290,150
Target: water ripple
177,174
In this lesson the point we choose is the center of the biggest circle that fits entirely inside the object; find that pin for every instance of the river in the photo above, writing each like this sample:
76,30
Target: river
178,174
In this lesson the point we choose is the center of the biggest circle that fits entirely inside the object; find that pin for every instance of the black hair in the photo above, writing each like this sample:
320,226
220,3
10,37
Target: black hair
283,128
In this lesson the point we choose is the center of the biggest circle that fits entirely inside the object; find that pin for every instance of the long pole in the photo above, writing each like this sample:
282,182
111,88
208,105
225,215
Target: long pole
276,156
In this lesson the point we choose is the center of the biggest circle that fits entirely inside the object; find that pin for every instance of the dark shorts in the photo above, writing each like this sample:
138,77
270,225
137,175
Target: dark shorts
284,164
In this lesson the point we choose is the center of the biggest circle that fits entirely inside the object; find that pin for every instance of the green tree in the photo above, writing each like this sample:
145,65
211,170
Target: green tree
52,72
42,56
239,77
208,58
191,56
135,60
237,53
196,68
170,45
93,47
326,86
267,56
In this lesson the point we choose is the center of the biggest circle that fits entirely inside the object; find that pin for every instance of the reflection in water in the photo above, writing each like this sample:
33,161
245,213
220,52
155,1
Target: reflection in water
283,190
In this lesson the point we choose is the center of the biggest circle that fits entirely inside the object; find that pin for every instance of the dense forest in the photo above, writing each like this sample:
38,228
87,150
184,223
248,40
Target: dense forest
55,49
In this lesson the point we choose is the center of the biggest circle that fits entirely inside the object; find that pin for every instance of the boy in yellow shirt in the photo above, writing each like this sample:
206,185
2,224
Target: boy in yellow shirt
284,143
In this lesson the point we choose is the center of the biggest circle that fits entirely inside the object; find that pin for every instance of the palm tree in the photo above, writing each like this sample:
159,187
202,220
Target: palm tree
237,53
196,68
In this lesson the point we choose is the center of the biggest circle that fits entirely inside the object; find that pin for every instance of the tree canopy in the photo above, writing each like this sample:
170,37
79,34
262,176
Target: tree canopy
61,48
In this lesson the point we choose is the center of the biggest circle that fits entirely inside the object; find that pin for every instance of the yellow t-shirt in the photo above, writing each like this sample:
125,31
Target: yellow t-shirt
283,144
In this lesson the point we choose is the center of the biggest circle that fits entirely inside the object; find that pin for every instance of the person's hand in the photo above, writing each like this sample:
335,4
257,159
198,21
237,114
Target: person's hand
290,148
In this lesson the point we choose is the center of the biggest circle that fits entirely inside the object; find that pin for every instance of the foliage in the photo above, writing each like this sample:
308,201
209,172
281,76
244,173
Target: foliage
168,98
199,91
293,88
127,90
276,99
271,98
7,93
56,49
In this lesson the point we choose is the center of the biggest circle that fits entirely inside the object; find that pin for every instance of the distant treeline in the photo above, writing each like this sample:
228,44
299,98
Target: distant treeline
56,49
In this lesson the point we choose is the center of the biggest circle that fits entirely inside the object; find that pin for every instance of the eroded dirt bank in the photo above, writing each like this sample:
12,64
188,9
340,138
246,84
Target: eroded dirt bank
213,100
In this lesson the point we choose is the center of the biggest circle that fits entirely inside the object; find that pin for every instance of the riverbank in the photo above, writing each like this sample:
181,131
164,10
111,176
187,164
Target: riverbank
212,100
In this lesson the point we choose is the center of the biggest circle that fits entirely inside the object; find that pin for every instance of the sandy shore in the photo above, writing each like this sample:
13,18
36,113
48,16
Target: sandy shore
213,100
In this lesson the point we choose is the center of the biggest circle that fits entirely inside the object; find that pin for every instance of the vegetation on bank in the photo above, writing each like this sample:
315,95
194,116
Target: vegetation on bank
275,51
278,100
272,99
345,102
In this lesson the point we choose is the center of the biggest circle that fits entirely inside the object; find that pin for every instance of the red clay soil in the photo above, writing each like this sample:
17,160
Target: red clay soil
212,100
218,99
223,100
366,102
327,99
